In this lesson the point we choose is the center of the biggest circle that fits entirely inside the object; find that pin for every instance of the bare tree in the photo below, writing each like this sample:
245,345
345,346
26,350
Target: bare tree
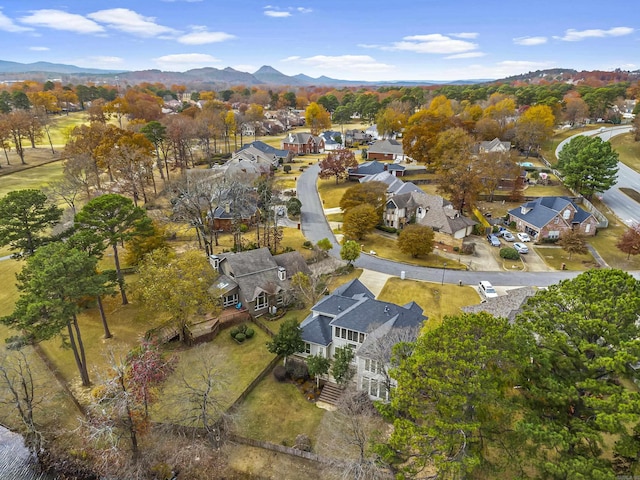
19,385
202,399
347,436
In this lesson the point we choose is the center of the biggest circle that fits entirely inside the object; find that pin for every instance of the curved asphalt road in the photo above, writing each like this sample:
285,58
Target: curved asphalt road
625,208
315,227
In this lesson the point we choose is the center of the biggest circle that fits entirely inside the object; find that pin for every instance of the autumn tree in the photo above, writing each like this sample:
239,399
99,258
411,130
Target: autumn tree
115,220
575,110
179,286
317,118
350,251
629,242
416,240
577,406
420,134
370,193
156,133
26,217
19,125
572,241
359,221
390,122
337,163
130,160
309,288
496,166
452,405
534,126
459,176
288,340
588,165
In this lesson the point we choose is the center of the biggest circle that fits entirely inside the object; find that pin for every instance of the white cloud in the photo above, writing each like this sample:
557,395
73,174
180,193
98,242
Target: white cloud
465,55
304,10
7,25
332,65
529,41
60,20
523,65
39,49
200,36
185,61
128,21
106,60
291,59
465,35
245,68
433,43
277,13
573,35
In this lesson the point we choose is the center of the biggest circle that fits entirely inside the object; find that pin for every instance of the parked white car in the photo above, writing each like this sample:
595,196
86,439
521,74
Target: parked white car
508,236
523,237
486,290
520,247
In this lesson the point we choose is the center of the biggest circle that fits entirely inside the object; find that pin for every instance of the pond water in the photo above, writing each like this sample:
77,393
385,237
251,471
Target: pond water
14,459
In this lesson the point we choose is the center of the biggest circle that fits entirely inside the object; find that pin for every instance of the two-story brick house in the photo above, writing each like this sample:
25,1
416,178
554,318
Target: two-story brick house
303,143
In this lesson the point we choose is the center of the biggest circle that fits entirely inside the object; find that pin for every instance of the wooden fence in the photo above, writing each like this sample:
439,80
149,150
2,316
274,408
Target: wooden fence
280,448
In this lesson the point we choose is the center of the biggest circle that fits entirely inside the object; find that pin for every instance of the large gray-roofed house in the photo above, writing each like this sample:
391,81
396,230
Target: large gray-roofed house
279,154
255,279
374,167
395,185
386,149
549,217
347,318
505,306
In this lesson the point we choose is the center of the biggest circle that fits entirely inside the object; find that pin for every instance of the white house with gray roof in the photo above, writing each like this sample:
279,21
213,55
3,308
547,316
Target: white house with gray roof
352,317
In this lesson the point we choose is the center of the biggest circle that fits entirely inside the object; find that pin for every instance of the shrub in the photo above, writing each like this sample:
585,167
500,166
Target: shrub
550,240
294,206
287,168
249,332
456,249
240,337
280,373
512,225
307,244
235,331
509,253
297,370
384,228
468,248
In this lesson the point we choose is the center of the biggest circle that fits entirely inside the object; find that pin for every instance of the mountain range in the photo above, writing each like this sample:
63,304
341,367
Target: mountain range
208,76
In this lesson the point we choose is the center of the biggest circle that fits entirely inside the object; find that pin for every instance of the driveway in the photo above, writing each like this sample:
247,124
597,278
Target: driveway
625,208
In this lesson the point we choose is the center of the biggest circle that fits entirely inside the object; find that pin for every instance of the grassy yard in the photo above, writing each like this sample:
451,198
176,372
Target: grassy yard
556,256
331,193
237,364
386,247
628,150
31,177
605,242
278,412
548,150
436,300
61,126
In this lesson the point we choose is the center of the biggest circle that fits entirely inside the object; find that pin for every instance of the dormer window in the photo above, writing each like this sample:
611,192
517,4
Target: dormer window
566,214
214,260
282,274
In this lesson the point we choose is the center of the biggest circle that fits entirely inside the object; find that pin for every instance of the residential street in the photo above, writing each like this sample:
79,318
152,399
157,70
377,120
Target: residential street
315,227
625,208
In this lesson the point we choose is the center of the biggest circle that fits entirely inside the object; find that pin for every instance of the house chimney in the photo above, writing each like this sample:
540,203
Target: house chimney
282,274
214,260
227,208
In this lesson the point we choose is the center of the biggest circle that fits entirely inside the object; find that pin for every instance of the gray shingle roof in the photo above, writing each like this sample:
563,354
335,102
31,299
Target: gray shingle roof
387,146
266,148
353,288
373,167
317,330
541,211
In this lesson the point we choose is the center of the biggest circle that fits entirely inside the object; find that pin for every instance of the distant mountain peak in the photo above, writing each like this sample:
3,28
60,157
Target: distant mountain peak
267,70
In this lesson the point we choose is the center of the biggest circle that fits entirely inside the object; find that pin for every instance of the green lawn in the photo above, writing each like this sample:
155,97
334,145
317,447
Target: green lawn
278,412
61,126
436,300
548,150
331,193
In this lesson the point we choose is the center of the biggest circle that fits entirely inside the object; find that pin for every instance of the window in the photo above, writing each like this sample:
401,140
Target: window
307,348
566,214
280,299
261,301
554,234
230,300
587,228
361,338
373,366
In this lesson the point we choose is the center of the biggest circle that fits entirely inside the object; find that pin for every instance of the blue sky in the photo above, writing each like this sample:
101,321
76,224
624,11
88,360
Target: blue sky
347,39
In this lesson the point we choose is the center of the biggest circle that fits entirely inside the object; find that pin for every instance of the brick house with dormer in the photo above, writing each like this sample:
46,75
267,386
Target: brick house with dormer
303,143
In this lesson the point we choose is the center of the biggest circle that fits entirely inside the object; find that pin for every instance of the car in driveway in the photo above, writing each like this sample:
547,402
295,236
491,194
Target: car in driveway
521,247
493,240
508,236
523,237
486,290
